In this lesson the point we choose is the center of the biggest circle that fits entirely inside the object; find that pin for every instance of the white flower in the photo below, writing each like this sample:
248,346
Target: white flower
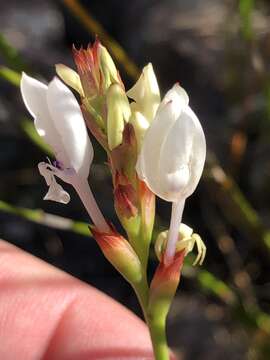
59,121
172,157
173,153
146,95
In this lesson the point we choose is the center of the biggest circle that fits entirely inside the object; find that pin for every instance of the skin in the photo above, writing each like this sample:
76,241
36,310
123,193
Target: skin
47,314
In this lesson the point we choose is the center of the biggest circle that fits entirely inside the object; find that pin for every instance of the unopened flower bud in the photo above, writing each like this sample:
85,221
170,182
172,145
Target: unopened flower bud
120,254
108,69
146,94
70,77
87,62
118,113
96,69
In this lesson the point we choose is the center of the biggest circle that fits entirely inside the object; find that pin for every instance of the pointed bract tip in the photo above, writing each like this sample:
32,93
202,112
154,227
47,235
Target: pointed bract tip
120,253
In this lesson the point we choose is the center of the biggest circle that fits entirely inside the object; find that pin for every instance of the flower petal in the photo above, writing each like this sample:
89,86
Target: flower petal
179,98
47,174
70,77
34,94
68,120
148,161
185,148
140,125
56,192
146,93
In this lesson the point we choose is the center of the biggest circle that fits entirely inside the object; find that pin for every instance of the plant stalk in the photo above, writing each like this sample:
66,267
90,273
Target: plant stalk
156,321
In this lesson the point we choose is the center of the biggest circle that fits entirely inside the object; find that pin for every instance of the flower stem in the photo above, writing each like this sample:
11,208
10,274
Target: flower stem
157,328
85,193
156,321
142,292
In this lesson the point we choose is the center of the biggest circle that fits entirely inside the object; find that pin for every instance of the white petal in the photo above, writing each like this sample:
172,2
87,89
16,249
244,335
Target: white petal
182,157
43,170
147,82
140,168
56,192
181,93
146,93
140,125
173,185
148,162
34,94
198,151
179,98
68,120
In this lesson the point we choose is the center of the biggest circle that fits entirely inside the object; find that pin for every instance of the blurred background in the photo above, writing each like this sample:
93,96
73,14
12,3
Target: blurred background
219,51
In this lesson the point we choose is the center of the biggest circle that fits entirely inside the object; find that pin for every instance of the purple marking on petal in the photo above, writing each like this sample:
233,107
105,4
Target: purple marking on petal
58,164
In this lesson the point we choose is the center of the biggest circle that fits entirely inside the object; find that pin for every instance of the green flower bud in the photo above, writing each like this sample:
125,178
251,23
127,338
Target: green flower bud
70,77
118,113
108,69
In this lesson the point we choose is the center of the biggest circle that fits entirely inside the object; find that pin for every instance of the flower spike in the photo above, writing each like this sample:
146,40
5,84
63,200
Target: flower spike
153,147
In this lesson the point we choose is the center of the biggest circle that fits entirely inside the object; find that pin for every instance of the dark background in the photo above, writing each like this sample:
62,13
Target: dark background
219,51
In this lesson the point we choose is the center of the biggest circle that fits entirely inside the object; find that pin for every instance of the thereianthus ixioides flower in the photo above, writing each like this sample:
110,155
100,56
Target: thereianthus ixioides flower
153,147
59,121
172,157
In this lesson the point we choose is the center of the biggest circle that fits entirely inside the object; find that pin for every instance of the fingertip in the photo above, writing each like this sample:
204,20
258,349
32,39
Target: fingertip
46,313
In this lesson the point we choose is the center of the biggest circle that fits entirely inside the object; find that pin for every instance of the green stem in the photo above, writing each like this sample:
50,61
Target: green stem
142,291
156,321
157,328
